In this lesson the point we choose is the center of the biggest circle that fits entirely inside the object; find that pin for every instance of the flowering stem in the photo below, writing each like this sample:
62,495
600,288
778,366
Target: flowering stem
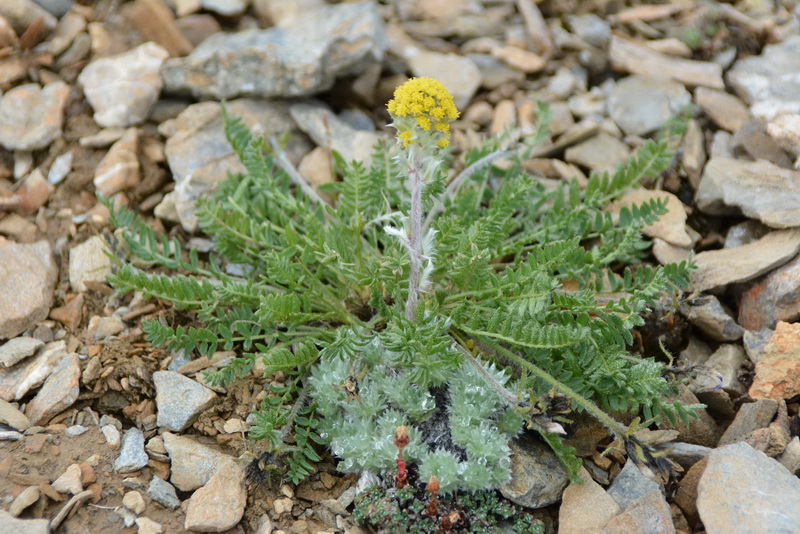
415,239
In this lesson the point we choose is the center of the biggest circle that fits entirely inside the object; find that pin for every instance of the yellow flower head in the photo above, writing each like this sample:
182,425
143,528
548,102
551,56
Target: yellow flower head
425,106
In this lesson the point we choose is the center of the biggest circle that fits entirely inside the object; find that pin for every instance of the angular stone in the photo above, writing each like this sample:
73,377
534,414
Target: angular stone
31,116
757,189
457,73
15,382
148,526
773,298
701,430
123,88
70,481
112,436
163,493
755,342
600,153
132,456
649,513
300,59
119,169
686,454
778,369
21,14
180,400
593,29
102,327
727,111
671,227
642,104
28,496
520,59
219,505
631,485
27,276
686,494
785,129
585,507
88,262
790,458
537,477
12,417
193,464
17,349
134,502
11,525
718,268
770,82
155,22
751,416
59,391
709,315
743,490
34,193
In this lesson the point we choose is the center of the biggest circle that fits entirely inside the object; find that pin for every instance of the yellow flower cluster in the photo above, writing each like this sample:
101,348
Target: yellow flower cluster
429,104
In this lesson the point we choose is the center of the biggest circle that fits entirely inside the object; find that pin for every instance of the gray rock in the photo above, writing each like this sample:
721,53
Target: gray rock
743,490
111,434
75,430
200,156
102,327
685,454
585,507
163,493
643,104
60,168
22,13
537,477
59,391
725,366
219,505
494,72
457,73
745,233
716,268
709,315
758,189
88,262
28,496
132,456
58,8
119,169
17,349
123,88
650,513
790,458
770,82
180,400
773,298
281,13
31,116
631,484
754,343
591,28
17,381
300,59
600,153
670,227
10,435
11,525
751,416
12,417
193,464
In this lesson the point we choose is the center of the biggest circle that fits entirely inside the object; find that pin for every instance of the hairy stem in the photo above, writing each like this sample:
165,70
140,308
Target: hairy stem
415,239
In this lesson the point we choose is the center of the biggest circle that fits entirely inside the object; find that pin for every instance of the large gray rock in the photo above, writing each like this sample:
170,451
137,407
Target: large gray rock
537,476
770,82
642,104
758,189
31,116
27,276
300,59
180,400
743,490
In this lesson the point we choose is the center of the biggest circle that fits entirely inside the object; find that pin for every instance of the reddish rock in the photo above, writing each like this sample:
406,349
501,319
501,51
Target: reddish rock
35,192
778,369
71,313
773,298
686,495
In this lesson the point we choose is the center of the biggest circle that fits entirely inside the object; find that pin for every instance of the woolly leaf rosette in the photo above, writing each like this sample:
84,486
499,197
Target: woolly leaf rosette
422,109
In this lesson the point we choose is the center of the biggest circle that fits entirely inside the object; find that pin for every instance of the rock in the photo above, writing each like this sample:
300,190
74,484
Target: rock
667,253
119,169
12,417
200,156
600,153
27,497
148,526
709,315
70,481
34,193
773,298
155,22
282,506
75,430
457,73
745,233
701,430
59,8
751,416
635,58
694,153
21,14
642,104
758,189
226,8
12,525
630,485
15,382
180,400
134,502
299,59
112,436
755,342
27,276
328,131
649,513
537,477
494,72
18,228
686,454
163,493
123,88
770,82
88,262
671,227
17,349
315,167
198,28
132,456
790,458
282,13
717,268
724,368
519,59
59,391
67,29
742,490
31,116
219,505
60,168
102,327
686,494
727,111
752,140
585,507
778,369
785,130
591,28
193,464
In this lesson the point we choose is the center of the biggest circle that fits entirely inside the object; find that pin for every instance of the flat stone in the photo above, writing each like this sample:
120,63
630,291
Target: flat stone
727,111
17,349
494,72
694,155
635,58
785,130
600,153
180,400
27,276
299,59
148,526
520,59
17,381
668,253
773,298
585,507
88,262
59,391
60,168
778,369
119,169
757,189
70,481
671,227
219,505
132,456
745,233
100,328
123,88
34,193
112,436
156,22
193,464
754,343
649,513
751,416
31,116
593,29
11,525
685,454
642,104
12,417
75,430
752,142
630,485
686,494
27,497
723,370
67,29
718,268
537,477
457,73
770,82
709,315
134,502
743,490
282,13
163,493
790,458
701,430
